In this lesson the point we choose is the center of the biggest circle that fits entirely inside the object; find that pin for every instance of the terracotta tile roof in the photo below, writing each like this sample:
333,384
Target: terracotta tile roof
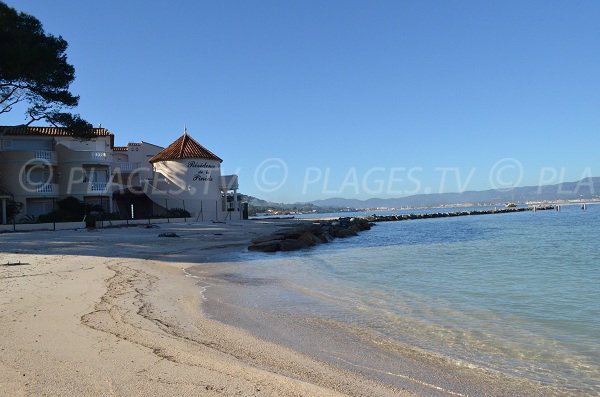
120,148
185,147
49,131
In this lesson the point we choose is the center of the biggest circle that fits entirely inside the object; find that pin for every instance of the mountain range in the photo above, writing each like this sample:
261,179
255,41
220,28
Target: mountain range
587,188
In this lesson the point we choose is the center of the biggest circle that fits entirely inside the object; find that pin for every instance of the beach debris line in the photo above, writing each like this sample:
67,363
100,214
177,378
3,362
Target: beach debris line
15,264
304,235
168,234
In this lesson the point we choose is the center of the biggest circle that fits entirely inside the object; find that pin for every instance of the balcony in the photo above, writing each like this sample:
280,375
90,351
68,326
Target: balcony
97,186
86,157
39,189
32,157
84,188
125,166
229,182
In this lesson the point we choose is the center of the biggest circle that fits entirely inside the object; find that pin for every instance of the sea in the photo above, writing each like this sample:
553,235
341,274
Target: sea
516,294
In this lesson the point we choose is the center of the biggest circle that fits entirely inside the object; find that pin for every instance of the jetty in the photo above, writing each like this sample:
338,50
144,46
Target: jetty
405,217
303,234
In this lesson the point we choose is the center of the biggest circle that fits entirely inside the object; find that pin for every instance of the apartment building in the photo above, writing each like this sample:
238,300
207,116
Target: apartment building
40,165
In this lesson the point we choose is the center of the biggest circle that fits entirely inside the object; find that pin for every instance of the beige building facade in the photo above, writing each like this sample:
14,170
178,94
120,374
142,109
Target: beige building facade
41,165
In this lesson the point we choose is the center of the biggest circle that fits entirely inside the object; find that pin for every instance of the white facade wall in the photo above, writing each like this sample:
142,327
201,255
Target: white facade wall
190,183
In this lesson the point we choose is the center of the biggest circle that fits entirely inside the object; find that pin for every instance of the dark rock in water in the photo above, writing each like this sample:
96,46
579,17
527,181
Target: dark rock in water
303,235
309,239
292,245
269,238
342,233
324,237
168,234
266,246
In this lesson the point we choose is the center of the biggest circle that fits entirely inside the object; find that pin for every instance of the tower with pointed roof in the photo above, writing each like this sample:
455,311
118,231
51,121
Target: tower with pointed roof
188,173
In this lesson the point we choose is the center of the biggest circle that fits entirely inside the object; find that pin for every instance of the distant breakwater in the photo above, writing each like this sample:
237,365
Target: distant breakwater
404,217
305,234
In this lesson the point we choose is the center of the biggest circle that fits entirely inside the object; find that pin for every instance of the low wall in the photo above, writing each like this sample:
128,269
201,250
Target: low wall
101,224
30,227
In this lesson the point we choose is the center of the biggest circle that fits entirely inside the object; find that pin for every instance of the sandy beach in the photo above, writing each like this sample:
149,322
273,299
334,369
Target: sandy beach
123,312
111,312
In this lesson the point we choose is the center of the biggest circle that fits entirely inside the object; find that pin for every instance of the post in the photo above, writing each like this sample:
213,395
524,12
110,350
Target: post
184,216
54,214
4,217
201,211
167,208
217,210
235,200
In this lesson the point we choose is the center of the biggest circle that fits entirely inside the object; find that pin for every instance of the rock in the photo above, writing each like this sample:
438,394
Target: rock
303,235
265,239
324,237
342,233
292,245
266,246
309,239
168,234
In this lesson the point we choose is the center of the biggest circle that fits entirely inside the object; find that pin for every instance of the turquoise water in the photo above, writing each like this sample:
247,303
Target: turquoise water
517,293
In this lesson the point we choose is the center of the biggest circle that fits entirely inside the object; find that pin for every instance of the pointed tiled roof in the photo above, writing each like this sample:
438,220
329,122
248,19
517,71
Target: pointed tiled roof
185,147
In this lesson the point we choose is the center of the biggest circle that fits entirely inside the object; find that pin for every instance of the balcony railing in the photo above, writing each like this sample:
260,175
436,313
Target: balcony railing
229,182
32,188
44,155
126,166
44,188
85,157
100,156
29,156
83,188
97,186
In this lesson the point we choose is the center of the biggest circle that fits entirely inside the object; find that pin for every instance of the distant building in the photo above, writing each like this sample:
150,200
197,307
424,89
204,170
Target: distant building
40,165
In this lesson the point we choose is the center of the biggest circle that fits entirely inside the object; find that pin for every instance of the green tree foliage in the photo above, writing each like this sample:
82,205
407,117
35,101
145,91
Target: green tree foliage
34,69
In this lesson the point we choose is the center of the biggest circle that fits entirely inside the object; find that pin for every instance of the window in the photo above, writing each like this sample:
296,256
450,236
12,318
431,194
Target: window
38,207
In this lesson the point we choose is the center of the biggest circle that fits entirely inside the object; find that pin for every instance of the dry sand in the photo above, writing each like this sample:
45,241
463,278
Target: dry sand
110,312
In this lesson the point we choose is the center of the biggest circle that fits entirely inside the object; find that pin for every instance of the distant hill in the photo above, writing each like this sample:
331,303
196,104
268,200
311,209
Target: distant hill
587,188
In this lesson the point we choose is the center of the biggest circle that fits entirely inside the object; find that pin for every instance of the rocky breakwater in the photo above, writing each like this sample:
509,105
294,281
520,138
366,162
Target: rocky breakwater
305,234
403,217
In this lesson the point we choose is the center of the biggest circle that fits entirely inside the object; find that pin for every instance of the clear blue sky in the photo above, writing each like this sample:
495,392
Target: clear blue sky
337,86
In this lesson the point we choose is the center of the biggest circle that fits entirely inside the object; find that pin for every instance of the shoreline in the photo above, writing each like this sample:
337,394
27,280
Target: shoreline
118,312
75,322
232,299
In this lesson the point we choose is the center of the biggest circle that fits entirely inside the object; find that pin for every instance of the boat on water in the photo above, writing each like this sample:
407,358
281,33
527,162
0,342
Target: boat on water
510,205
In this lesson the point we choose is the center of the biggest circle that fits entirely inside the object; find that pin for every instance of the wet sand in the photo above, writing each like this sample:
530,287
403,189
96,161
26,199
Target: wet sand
246,302
111,312
124,312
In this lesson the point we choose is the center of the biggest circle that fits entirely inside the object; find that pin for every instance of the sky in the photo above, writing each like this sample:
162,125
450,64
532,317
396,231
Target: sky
309,99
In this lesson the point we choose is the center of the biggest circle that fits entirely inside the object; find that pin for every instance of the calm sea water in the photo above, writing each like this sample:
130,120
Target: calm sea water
518,293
